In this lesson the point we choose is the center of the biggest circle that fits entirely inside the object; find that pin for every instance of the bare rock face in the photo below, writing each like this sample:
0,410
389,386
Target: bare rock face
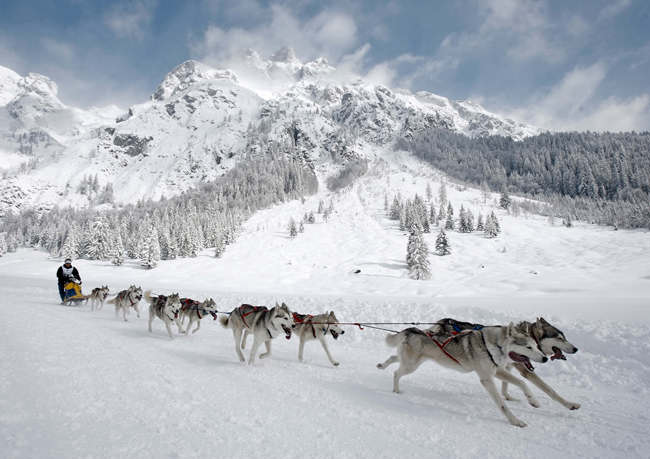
132,144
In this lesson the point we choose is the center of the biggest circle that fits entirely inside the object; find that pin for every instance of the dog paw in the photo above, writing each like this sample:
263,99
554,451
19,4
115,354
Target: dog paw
510,398
380,366
518,423
533,402
336,364
572,406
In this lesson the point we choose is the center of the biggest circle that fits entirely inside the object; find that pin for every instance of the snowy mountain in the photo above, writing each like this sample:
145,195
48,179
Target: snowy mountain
200,121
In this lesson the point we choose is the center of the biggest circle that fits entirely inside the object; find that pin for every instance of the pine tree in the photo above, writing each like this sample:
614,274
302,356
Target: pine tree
442,244
70,248
417,255
504,200
449,223
425,226
469,218
321,206
395,209
301,227
442,214
3,244
152,255
118,251
462,221
220,246
432,215
385,203
428,192
442,193
293,231
491,226
496,222
479,223
311,219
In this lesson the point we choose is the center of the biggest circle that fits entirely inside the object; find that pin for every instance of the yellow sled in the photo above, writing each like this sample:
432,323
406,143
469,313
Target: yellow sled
72,293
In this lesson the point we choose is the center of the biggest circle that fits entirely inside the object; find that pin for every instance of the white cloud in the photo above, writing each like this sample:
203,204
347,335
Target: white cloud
58,49
613,8
130,20
572,104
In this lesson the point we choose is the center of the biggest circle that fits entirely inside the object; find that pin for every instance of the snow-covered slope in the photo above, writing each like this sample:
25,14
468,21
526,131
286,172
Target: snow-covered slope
81,384
201,120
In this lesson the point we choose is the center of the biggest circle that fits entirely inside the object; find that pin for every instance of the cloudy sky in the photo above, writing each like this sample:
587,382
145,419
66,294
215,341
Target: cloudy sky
556,64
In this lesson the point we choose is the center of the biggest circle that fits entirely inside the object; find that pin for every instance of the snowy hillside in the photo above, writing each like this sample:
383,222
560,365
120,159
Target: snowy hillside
78,384
200,121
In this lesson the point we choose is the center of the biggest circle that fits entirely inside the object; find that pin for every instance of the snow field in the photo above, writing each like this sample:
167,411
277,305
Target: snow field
81,384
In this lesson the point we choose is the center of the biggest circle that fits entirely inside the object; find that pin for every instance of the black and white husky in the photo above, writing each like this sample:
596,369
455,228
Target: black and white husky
194,311
484,352
551,341
263,323
309,328
166,308
97,297
126,299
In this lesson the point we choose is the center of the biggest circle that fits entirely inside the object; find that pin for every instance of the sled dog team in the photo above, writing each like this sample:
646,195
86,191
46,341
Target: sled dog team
489,351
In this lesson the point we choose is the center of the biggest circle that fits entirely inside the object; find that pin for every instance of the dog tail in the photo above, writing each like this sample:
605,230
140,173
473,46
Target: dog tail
224,320
112,300
148,297
396,339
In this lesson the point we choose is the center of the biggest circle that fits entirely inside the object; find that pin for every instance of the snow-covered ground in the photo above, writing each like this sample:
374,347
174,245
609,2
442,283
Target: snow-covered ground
80,384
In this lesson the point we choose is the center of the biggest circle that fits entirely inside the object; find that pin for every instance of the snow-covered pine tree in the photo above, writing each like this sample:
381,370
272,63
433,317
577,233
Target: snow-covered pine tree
395,209
402,219
425,226
326,215
321,206
311,219
385,202
70,247
293,230
118,251
442,214
449,223
152,255
504,200
432,215
220,246
428,192
442,193
462,221
497,225
301,227
469,216
490,226
3,244
442,244
417,255
479,222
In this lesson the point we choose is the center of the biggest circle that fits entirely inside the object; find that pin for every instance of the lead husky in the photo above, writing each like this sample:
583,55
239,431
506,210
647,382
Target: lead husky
97,297
194,311
482,351
126,299
263,323
551,341
309,327
166,308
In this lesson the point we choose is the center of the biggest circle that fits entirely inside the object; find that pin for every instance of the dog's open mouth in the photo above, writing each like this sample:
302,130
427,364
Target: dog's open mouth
334,334
522,359
287,331
214,315
558,354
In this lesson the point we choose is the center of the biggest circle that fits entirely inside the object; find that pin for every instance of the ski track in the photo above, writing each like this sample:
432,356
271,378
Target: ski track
82,384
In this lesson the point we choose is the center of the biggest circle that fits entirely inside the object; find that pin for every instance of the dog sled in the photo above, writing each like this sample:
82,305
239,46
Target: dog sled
72,293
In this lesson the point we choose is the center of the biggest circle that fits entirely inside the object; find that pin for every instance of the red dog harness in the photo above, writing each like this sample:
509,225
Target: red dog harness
304,319
444,344
253,309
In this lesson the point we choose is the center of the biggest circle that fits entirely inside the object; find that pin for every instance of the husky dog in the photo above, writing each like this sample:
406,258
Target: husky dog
126,299
194,311
263,323
550,340
482,351
97,297
309,327
166,308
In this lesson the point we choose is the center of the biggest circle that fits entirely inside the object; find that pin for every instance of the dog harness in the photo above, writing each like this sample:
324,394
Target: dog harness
304,319
458,330
188,304
444,344
253,309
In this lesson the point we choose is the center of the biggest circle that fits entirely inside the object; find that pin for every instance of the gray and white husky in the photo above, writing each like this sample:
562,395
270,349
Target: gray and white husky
483,352
263,323
126,299
194,311
551,341
97,297
309,327
166,308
